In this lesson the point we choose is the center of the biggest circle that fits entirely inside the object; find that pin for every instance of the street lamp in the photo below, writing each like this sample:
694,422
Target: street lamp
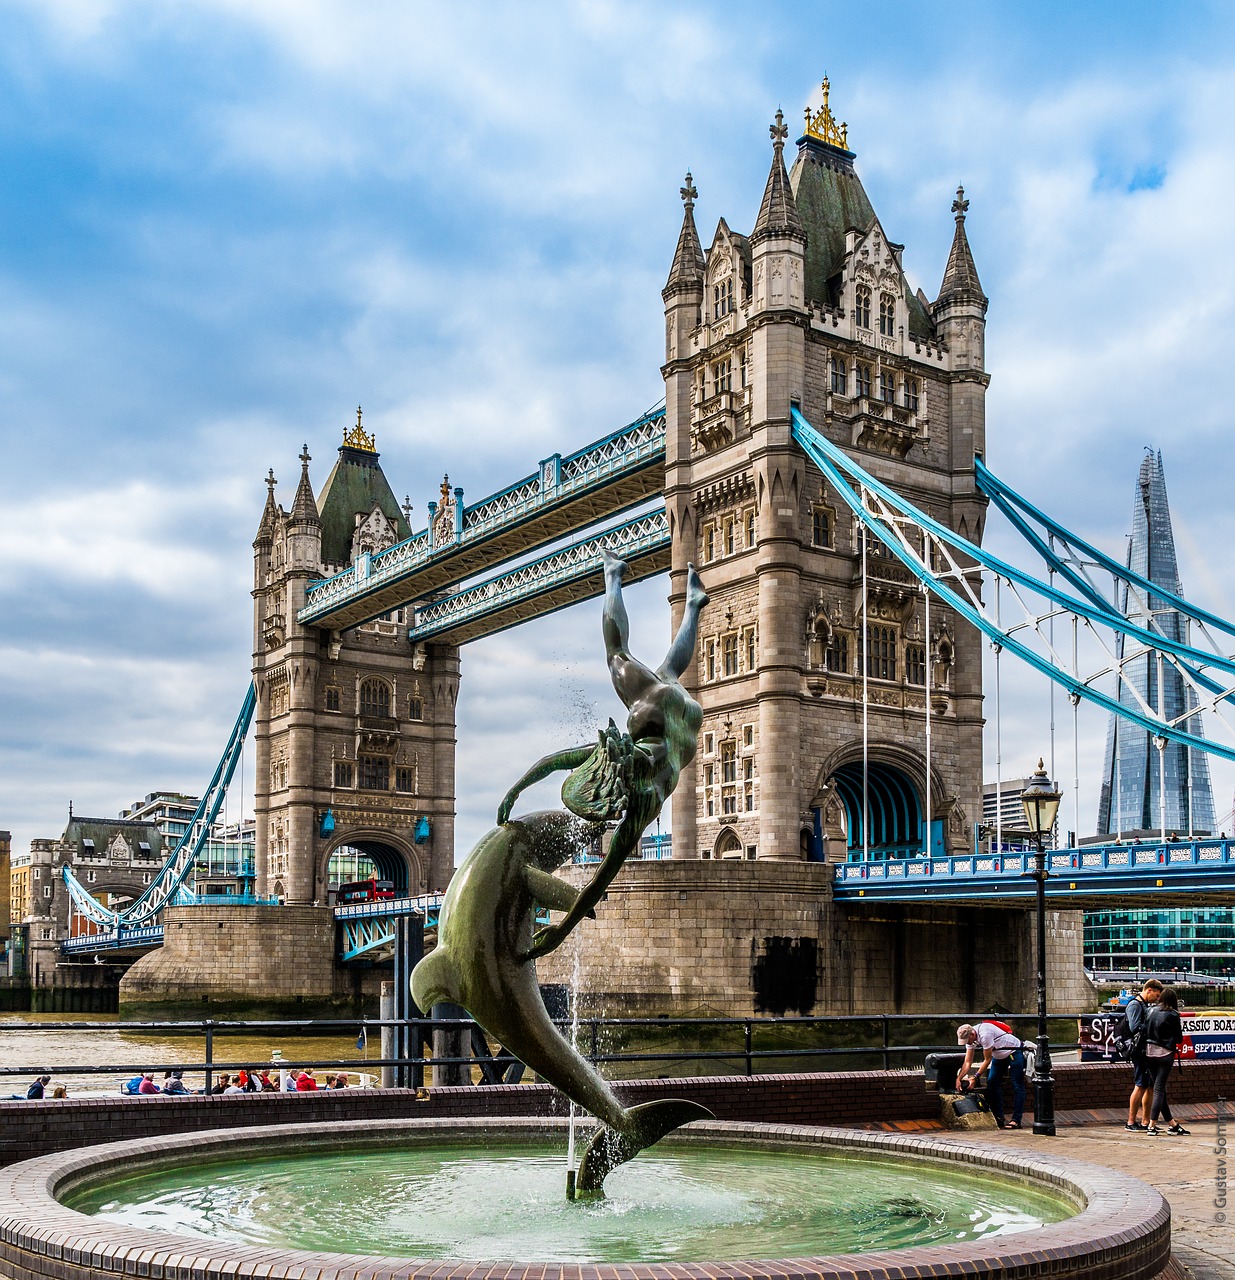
1040,800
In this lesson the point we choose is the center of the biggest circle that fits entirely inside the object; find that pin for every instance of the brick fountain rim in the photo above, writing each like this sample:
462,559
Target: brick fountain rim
1121,1229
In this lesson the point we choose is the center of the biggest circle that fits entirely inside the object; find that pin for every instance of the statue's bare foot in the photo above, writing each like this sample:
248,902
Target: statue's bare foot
695,593
615,566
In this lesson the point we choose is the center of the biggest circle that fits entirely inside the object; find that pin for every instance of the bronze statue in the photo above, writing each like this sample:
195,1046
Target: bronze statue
485,954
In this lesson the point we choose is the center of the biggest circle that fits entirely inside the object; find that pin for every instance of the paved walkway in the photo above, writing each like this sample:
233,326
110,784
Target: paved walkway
1184,1170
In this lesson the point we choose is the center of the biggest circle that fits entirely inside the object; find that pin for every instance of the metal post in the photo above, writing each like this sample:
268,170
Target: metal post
750,1066
883,1017
1043,1081
386,1011
409,948
209,1056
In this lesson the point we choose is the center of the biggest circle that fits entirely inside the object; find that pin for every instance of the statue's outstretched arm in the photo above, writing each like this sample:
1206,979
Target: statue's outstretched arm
572,758
642,809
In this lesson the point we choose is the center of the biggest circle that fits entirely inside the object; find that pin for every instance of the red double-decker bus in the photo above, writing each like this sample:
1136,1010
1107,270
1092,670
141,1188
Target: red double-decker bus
364,891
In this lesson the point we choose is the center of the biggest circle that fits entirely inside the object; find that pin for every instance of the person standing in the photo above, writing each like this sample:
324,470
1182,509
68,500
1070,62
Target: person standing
1002,1053
1142,1082
1164,1033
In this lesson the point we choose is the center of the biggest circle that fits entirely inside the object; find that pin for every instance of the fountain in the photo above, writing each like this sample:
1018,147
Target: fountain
483,1198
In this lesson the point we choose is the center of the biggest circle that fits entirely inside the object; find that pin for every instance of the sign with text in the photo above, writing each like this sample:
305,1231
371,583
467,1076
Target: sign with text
1206,1035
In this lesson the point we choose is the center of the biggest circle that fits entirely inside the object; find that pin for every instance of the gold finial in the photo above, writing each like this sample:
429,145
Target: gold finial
445,489
358,437
822,124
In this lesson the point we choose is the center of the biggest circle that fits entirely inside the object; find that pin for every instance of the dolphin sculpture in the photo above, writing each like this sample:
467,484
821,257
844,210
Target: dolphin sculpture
483,962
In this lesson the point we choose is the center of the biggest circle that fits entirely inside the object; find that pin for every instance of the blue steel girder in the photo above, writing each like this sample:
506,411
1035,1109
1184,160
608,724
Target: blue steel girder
564,496
1192,873
921,543
367,929
553,582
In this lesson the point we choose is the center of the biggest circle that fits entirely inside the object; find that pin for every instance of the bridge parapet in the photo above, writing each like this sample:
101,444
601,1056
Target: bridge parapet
1192,868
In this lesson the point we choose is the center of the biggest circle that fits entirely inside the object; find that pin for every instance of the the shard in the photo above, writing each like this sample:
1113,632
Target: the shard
1143,788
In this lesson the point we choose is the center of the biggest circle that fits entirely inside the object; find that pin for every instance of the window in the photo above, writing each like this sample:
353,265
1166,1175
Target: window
709,542
415,707
748,736
750,528
47,891
915,663
862,310
38,873
731,537
710,807
333,694
728,800
863,372
343,773
374,773
821,527
840,377
729,761
729,654
748,785
751,852
90,876
710,659
722,375
887,386
405,779
887,315
752,655
375,698
911,394
709,744
880,652
746,366
709,775
722,298
836,655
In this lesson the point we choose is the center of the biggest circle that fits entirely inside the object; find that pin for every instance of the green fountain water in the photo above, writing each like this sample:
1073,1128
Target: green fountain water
671,1205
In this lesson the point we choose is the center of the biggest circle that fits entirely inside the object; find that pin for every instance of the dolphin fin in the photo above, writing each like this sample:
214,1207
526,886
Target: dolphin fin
434,981
646,1125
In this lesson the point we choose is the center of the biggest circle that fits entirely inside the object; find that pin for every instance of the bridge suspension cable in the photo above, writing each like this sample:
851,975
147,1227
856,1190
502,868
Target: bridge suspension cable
175,871
1134,627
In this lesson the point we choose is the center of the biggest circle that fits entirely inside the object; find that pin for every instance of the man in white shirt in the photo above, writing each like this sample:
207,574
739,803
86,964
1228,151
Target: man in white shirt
1001,1053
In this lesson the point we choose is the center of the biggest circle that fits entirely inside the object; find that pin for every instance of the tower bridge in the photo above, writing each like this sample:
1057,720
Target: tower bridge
819,456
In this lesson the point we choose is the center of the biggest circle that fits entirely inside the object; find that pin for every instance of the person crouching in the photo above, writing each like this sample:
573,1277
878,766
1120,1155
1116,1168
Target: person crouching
1002,1053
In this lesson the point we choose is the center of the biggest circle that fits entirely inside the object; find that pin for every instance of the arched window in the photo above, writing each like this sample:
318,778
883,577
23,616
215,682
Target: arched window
375,698
887,315
911,394
887,386
728,845
840,377
881,652
863,372
862,307
915,663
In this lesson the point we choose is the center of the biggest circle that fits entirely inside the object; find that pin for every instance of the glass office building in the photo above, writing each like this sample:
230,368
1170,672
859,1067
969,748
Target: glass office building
1146,792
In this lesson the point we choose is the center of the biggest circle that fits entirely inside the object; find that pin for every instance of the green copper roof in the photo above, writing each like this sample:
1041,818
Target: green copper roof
831,200
353,488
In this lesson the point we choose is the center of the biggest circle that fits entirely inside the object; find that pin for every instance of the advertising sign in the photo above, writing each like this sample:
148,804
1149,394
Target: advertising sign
1206,1035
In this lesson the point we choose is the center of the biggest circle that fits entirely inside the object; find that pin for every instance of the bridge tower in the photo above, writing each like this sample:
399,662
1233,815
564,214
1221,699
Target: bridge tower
355,730
811,647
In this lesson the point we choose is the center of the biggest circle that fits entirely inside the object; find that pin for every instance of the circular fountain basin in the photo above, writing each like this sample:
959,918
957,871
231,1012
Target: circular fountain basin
474,1198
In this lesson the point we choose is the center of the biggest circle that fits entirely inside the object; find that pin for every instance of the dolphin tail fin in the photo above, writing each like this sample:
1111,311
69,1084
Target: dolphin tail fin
646,1125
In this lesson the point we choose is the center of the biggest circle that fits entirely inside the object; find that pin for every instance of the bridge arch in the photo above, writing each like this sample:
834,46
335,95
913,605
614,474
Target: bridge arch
895,786
394,858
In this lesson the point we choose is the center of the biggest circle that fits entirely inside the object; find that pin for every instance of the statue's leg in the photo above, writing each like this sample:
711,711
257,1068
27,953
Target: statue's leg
678,659
631,679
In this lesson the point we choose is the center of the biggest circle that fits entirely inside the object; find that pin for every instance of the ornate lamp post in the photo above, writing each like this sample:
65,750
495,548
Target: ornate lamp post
1040,800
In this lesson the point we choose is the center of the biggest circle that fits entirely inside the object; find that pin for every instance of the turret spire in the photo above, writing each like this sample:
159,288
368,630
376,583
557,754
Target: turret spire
270,512
960,279
687,266
778,214
304,508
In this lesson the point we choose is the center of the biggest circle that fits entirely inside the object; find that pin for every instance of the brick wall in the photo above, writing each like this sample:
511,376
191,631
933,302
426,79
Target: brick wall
29,1129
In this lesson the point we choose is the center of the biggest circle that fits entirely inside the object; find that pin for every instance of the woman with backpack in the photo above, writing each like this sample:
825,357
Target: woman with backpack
1164,1033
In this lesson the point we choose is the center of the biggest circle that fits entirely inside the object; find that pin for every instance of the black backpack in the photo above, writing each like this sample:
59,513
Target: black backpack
1128,1044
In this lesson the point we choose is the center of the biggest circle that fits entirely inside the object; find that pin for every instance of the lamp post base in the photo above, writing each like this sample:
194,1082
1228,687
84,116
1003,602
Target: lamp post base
1043,1091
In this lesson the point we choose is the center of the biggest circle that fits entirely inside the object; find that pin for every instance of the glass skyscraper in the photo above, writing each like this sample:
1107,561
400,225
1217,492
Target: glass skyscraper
1135,797
1145,791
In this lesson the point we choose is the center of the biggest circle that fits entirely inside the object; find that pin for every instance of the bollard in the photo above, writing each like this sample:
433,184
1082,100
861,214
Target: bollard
386,1011
449,1042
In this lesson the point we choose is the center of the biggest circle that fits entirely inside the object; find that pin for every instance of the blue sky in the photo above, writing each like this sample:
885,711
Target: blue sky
224,223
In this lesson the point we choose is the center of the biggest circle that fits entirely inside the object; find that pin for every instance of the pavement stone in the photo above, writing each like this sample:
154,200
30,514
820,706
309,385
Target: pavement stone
1183,1169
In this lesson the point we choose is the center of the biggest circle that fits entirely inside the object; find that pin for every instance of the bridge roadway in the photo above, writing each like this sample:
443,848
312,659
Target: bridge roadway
564,496
1092,878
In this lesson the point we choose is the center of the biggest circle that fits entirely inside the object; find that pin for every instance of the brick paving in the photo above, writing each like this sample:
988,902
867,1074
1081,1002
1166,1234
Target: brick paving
1182,1169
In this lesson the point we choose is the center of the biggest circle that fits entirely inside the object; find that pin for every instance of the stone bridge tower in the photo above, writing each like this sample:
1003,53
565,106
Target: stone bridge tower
355,731
813,307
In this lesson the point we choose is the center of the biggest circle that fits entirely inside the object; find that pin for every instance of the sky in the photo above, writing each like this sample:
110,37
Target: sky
225,223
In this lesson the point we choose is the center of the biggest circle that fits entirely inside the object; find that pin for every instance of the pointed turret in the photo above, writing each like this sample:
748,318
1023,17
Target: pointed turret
687,268
778,214
304,508
960,279
270,514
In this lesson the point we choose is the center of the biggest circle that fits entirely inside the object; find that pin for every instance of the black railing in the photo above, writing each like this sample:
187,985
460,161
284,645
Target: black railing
776,1043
